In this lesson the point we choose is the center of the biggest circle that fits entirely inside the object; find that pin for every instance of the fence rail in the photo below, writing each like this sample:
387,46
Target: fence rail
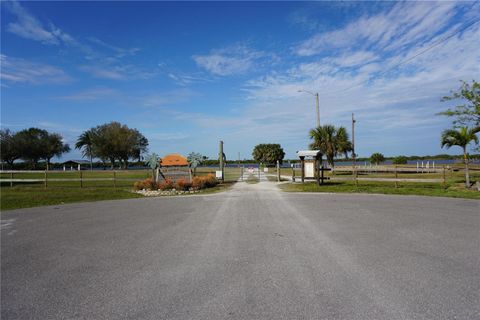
68,179
56,177
47,176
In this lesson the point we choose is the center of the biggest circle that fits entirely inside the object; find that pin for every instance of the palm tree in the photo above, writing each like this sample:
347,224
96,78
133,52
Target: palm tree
376,158
344,145
331,141
85,143
462,138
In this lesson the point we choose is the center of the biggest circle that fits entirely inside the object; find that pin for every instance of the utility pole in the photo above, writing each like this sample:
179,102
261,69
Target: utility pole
317,104
353,150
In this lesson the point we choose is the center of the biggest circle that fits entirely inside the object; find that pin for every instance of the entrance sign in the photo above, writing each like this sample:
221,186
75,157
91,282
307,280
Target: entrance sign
309,170
310,164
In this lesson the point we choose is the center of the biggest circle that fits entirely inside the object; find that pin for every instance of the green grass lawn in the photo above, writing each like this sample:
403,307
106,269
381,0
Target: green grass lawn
455,190
33,196
232,174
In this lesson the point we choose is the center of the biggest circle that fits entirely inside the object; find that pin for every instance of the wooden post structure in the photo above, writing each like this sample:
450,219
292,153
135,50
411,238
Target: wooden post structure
317,168
444,178
322,176
46,183
293,173
302,162
322,173
220,155
278,171
396,177
81,179
354,171
114,179
11,179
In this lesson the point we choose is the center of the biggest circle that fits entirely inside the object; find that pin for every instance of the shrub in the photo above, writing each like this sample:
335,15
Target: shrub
150,184
210,181
138,185
198,183
145,184
203,182
166,185
183,185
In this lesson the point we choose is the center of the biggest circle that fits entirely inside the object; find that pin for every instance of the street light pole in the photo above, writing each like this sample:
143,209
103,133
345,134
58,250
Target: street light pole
317,104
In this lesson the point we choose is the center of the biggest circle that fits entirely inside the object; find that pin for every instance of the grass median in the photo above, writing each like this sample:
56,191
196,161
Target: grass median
454,190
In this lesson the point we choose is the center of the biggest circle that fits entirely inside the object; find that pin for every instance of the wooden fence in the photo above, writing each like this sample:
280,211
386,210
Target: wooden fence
47,177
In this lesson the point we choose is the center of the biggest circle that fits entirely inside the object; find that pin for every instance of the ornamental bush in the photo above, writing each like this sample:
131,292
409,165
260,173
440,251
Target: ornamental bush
148,184
210,181
198,183
202,182
166,185
138,185
183,185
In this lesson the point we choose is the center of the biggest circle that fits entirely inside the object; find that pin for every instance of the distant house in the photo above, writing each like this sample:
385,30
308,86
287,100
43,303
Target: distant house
75,164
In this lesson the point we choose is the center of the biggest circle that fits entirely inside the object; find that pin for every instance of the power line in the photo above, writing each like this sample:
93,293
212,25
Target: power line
468,25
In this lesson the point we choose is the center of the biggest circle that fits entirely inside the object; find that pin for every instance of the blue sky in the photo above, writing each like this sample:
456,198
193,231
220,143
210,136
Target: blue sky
187,74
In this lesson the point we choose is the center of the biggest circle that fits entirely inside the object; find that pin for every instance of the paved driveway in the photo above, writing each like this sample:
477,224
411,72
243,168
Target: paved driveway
250,253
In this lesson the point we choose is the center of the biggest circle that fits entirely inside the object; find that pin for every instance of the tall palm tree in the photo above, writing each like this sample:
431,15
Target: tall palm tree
331,141
85,143
462,138
344,145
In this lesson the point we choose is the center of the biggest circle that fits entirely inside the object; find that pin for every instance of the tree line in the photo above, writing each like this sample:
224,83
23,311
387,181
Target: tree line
108,142
31,145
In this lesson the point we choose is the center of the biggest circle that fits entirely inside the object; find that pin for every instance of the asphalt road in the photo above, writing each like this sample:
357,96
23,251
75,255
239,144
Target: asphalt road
250,253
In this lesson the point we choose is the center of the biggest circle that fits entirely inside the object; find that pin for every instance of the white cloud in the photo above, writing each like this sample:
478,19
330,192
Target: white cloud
236,59
16,70
167,136
117,72
120,52
91,95
107,64
403,24
354,59
27,26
